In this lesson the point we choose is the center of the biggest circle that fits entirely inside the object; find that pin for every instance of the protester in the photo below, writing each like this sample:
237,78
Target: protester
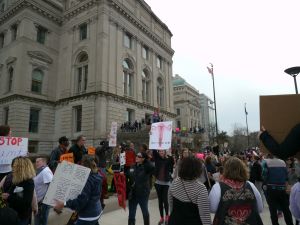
185,152
256,174
295,201
143,148
210,169
87,204
20,194
276,177
4,168
233,194
58,151
41,182
79,149
140,188
163,173
188,197
288,148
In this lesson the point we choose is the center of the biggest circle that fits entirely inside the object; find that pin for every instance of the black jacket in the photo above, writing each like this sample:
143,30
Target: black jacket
21,201
163,167
289,147
78,152
256,172
140,178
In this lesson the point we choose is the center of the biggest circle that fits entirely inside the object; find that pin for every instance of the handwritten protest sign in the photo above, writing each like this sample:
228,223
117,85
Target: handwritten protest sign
69,157
113,135
12,147
160,135
122,159
68,181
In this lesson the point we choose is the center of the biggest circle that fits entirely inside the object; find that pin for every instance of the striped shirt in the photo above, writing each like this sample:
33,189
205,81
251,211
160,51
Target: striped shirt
197,193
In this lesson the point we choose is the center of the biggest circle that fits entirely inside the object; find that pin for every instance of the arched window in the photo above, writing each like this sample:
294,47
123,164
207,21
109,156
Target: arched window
10,78
160,92
37,81
127,77
82,73
145,85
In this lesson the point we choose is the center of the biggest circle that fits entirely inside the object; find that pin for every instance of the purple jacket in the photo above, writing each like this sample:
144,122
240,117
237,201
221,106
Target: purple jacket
295,200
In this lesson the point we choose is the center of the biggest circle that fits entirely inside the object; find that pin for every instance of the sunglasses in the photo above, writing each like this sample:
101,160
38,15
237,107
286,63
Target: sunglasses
139,156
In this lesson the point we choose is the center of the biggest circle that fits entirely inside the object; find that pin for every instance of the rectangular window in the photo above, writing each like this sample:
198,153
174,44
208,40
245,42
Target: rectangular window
34,120
85,78
33,146
129,115
41,35
2,40
83,31
6,115
14,30
78,118
178,124
178,112
159,62
79,81
127,40
145,52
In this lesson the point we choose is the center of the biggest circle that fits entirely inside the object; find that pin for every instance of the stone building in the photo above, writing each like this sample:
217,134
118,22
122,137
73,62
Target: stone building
186,104
71,67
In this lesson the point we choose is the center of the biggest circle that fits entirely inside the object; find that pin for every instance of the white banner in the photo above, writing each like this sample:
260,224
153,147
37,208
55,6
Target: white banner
68,181
12,147
113,135
160,135
122,159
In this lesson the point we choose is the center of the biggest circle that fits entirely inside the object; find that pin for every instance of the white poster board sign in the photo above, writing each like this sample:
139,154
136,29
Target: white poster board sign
160,135
122,159
68,181
113,135
10,148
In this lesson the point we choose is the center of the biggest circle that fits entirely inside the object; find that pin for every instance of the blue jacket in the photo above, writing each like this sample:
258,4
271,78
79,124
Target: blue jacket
87,204
276,173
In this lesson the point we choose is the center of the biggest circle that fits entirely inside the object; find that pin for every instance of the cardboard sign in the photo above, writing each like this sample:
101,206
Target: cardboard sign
160,136
12,147
113,135
91,150
279,114
68,182
69,157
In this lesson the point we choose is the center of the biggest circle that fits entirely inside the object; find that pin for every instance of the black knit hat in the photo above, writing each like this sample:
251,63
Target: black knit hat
63,140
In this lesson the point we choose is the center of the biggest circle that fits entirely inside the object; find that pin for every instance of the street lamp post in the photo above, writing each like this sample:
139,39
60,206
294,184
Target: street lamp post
211,71
293,71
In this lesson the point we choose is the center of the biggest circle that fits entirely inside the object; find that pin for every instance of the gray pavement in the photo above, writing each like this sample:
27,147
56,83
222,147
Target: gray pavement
113,215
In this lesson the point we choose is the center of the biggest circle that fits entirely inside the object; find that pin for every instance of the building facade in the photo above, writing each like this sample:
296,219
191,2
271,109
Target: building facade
71,67
186,105
208,118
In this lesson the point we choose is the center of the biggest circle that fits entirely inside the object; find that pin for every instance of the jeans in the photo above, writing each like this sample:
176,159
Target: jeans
142,201
42,217
83,222
278,199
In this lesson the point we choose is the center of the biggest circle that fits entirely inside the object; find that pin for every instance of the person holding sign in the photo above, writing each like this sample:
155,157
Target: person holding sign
20,195
87,204
56,154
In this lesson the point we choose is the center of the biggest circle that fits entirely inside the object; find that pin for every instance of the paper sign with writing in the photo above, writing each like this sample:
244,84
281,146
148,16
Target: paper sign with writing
113,135
68,182
69,157
91,150
122,159
161,135
12,147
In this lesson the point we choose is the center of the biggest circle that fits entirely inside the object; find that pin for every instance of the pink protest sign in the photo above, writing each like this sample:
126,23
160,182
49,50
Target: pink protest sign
161,135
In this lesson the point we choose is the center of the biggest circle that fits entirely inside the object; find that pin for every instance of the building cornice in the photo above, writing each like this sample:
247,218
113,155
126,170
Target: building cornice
139,25
32,4
64,101
74,11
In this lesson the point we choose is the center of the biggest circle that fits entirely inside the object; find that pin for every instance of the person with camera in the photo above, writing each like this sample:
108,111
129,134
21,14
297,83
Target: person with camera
139,191
79,149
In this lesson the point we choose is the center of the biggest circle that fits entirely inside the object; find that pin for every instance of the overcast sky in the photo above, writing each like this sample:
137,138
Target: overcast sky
250,44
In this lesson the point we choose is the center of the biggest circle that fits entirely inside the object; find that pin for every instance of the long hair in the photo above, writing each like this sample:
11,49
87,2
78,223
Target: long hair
235,169
22,170
90,161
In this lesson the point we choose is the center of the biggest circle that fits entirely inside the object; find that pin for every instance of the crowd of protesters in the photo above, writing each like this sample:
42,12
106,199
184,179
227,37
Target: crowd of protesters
189,188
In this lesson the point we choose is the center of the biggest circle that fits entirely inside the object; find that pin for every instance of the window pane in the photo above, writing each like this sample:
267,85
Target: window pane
85,77
14,30
10,78
34,120
145,52
41,35
83,31
37,81
79,81
6,115
78,118
125,64
1,40
158,62
127,41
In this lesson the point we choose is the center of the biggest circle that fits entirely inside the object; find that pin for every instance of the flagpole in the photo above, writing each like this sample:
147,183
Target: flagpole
246,113
211,71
